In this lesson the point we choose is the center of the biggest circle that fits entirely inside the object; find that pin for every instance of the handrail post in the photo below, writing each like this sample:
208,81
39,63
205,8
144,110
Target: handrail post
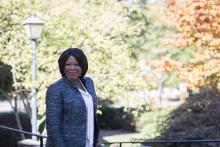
41,141
175,144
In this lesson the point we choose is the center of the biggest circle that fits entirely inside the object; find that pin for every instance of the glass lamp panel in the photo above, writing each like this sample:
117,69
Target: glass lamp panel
33,30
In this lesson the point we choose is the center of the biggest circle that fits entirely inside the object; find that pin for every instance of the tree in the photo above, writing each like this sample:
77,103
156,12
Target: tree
6,87
197,24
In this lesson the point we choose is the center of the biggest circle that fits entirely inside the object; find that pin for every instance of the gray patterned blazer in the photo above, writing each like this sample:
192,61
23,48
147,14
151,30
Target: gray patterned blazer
66,114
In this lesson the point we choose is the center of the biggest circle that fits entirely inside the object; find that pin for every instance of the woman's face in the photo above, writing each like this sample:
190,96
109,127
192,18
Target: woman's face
72,69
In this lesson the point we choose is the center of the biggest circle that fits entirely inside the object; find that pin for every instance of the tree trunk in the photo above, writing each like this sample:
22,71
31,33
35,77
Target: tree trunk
17,118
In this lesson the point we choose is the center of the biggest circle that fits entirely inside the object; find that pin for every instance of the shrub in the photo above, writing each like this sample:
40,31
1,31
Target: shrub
6,80
198,118
116,118
8,138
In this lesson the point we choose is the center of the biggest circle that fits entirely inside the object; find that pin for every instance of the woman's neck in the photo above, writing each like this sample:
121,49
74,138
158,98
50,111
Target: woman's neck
78,84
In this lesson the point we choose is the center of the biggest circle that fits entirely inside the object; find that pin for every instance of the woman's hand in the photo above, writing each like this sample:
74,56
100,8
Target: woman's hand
100,145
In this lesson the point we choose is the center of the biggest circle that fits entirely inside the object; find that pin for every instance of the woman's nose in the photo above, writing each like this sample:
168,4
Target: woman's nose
72,66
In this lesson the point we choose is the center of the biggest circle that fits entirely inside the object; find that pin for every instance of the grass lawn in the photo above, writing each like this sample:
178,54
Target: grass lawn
147,127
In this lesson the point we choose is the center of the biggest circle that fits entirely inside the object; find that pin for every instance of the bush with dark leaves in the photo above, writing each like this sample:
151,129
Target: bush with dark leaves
197,119
8,138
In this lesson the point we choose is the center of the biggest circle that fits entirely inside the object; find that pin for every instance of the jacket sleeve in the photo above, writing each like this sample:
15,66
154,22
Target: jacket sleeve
53,115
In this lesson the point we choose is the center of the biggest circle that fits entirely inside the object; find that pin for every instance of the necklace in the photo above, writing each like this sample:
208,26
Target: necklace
78,84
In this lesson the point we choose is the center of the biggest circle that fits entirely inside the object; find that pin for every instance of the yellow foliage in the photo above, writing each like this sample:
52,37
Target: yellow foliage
198,25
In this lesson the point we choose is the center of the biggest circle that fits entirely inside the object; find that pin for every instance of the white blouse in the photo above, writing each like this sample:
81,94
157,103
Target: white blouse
90,116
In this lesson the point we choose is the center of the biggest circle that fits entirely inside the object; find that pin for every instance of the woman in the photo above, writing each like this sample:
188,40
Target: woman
71,104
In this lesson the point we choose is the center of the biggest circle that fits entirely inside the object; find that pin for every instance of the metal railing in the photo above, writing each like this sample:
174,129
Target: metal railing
41,137
175,142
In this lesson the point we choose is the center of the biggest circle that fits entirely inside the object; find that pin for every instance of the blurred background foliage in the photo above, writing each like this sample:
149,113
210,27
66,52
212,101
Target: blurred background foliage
101,28
115,35
98,27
